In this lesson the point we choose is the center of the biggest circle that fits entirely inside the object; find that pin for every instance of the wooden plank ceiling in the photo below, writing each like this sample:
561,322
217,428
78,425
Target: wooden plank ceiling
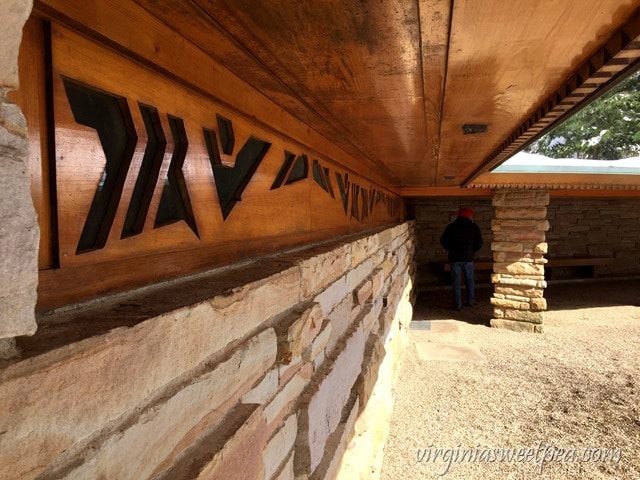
394,81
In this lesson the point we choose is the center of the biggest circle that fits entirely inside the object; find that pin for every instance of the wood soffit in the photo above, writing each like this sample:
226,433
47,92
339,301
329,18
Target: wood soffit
392,82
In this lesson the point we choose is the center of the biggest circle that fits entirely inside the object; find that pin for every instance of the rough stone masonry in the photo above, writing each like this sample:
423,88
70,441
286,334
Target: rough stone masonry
18,224
518,253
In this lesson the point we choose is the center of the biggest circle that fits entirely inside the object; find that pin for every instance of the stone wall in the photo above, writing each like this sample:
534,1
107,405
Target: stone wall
597,228
432,216
18,224
278,369
577,227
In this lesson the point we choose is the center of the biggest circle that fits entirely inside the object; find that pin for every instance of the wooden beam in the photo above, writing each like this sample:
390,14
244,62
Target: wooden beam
435,28
614,185
445,192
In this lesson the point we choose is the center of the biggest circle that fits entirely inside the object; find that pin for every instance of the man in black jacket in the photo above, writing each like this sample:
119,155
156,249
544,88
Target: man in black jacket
462,239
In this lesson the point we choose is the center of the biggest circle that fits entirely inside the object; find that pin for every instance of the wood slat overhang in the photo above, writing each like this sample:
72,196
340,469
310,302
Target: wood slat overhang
619,56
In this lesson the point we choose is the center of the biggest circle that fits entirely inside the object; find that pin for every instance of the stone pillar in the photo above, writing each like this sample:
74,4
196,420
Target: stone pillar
518,253
18,223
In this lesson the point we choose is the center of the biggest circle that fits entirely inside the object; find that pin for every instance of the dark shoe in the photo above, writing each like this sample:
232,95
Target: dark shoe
471,304
457,307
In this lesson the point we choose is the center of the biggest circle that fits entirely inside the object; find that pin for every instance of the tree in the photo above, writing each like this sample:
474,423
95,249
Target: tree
606,129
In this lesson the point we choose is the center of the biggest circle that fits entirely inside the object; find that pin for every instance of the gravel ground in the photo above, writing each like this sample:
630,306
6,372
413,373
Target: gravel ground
574,387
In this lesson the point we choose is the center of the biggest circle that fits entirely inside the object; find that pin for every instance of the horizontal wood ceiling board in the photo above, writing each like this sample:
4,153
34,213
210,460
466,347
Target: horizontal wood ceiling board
335,50
504,58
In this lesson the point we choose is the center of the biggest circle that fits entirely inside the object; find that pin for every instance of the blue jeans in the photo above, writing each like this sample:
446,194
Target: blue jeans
457,268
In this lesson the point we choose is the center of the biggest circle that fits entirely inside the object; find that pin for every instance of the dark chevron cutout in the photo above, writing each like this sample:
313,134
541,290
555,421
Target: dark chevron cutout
364,214
110,116
293,169
299,171
227,138
284,169
231,181
327,179
175,204
344,188
211,141
355,194
148,174
318,176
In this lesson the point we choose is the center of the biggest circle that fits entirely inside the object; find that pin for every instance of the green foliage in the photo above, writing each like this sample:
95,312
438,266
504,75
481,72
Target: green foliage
607,129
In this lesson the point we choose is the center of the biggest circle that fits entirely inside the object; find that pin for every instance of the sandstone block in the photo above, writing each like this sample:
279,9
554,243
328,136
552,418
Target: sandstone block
297,331
332,295
519,235
385,237
519,290
524,198
535,213
16,14
513,257
524,316
509,280
230,461
279,447
286,371
378,257
337,444
512,325
538,304
159,429
363,292
542,225
324,405
264,390
340,318
221,451
519,268
356,275
541,247
287,473
374,355
363,249
370,317
19,234
282,403
321,270
317,353
517,298
509,304
506,247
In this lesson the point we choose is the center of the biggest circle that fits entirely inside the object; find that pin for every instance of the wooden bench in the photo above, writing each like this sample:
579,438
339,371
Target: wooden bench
480,265
589,263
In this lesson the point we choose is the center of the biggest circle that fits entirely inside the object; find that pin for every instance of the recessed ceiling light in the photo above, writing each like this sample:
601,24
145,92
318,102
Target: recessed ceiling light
471,128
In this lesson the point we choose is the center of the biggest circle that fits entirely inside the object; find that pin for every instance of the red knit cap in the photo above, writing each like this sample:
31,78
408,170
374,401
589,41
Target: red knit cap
465,212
